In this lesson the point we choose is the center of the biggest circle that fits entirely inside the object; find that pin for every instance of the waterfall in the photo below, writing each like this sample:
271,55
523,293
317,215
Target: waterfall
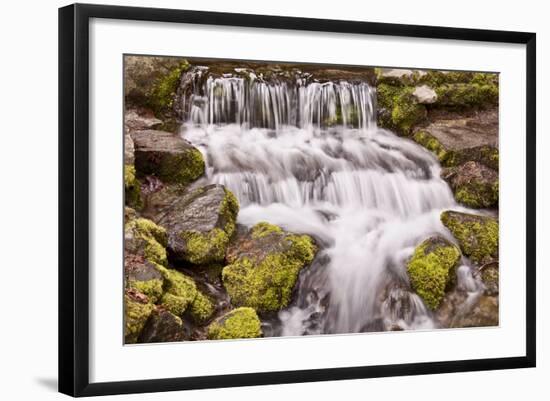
307,155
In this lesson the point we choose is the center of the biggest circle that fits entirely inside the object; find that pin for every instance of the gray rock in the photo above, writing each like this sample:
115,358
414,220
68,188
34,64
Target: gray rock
425,95
142,119
163,326
199,221
128,147
166,156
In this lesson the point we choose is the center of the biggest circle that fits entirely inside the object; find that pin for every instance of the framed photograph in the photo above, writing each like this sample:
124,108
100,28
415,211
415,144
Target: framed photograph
249,199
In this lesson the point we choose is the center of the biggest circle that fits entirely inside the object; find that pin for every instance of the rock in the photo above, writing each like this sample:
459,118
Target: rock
458,309
239,323
163,326
180,291
466,95
490,277
398,76
143,276
263,267
132,188
201,309
167,156
140,119
128,148
144,238
432,268
137,309
199,222
473,184
476,235
425,95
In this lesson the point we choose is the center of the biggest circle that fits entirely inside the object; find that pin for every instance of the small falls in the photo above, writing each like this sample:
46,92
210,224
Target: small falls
307,155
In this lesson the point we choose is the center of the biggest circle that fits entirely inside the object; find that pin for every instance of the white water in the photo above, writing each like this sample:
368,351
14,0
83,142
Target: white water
367,196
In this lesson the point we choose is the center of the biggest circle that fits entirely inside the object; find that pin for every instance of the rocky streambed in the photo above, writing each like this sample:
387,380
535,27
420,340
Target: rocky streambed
222,243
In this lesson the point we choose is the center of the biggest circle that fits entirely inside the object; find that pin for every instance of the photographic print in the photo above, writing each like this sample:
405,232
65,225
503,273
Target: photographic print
269,199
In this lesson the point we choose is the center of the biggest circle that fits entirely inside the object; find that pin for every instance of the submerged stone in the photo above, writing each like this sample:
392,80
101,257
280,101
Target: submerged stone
264,267
167,156
239,323
432,268
476,235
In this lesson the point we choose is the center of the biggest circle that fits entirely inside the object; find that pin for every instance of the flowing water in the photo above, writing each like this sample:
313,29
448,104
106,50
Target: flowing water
308,157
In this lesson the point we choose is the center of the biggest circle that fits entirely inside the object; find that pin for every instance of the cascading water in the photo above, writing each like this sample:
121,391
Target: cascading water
308,156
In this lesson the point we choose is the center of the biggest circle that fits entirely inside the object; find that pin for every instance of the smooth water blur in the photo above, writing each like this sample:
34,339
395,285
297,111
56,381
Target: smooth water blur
367,196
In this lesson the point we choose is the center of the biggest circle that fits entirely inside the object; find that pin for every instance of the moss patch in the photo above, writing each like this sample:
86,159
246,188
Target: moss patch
151,288
201,309
136,313
265,281
132,188
432,268
148,239
179,291
207,247
432,144
162,95
263,228
239,323
476,235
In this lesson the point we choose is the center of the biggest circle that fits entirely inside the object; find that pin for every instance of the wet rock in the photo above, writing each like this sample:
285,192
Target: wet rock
263,267
239,323
432,268
144,238
137,309
460,309
167,156
163,326
476,235
424,94
199,222
473,184
143,276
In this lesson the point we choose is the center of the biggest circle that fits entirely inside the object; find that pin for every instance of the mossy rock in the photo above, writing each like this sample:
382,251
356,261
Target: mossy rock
167,156
473,184
179,291
163,326
466,95
137,309
201,309
476,235
200,223
132,188
143,276
431,143
237,324
398,108
145,238
490,278
264,267
432,268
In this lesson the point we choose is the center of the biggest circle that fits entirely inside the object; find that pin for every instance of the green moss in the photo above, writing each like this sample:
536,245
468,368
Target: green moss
266,284
132,187
460,96
207,247
239,323
174,168
406,112
431,268
151,288
229,209
154,239
476,235
477,194
433,145
161,98
136,314
201,309
263,228
179,291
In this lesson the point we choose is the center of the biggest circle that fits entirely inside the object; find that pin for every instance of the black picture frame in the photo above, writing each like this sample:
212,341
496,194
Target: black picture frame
74,198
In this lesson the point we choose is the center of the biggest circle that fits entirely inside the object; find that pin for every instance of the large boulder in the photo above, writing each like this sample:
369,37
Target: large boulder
473,184
143,276
163,326
166,156
432,269
264,263
144,238
199,221
476,235
137,309
239,323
